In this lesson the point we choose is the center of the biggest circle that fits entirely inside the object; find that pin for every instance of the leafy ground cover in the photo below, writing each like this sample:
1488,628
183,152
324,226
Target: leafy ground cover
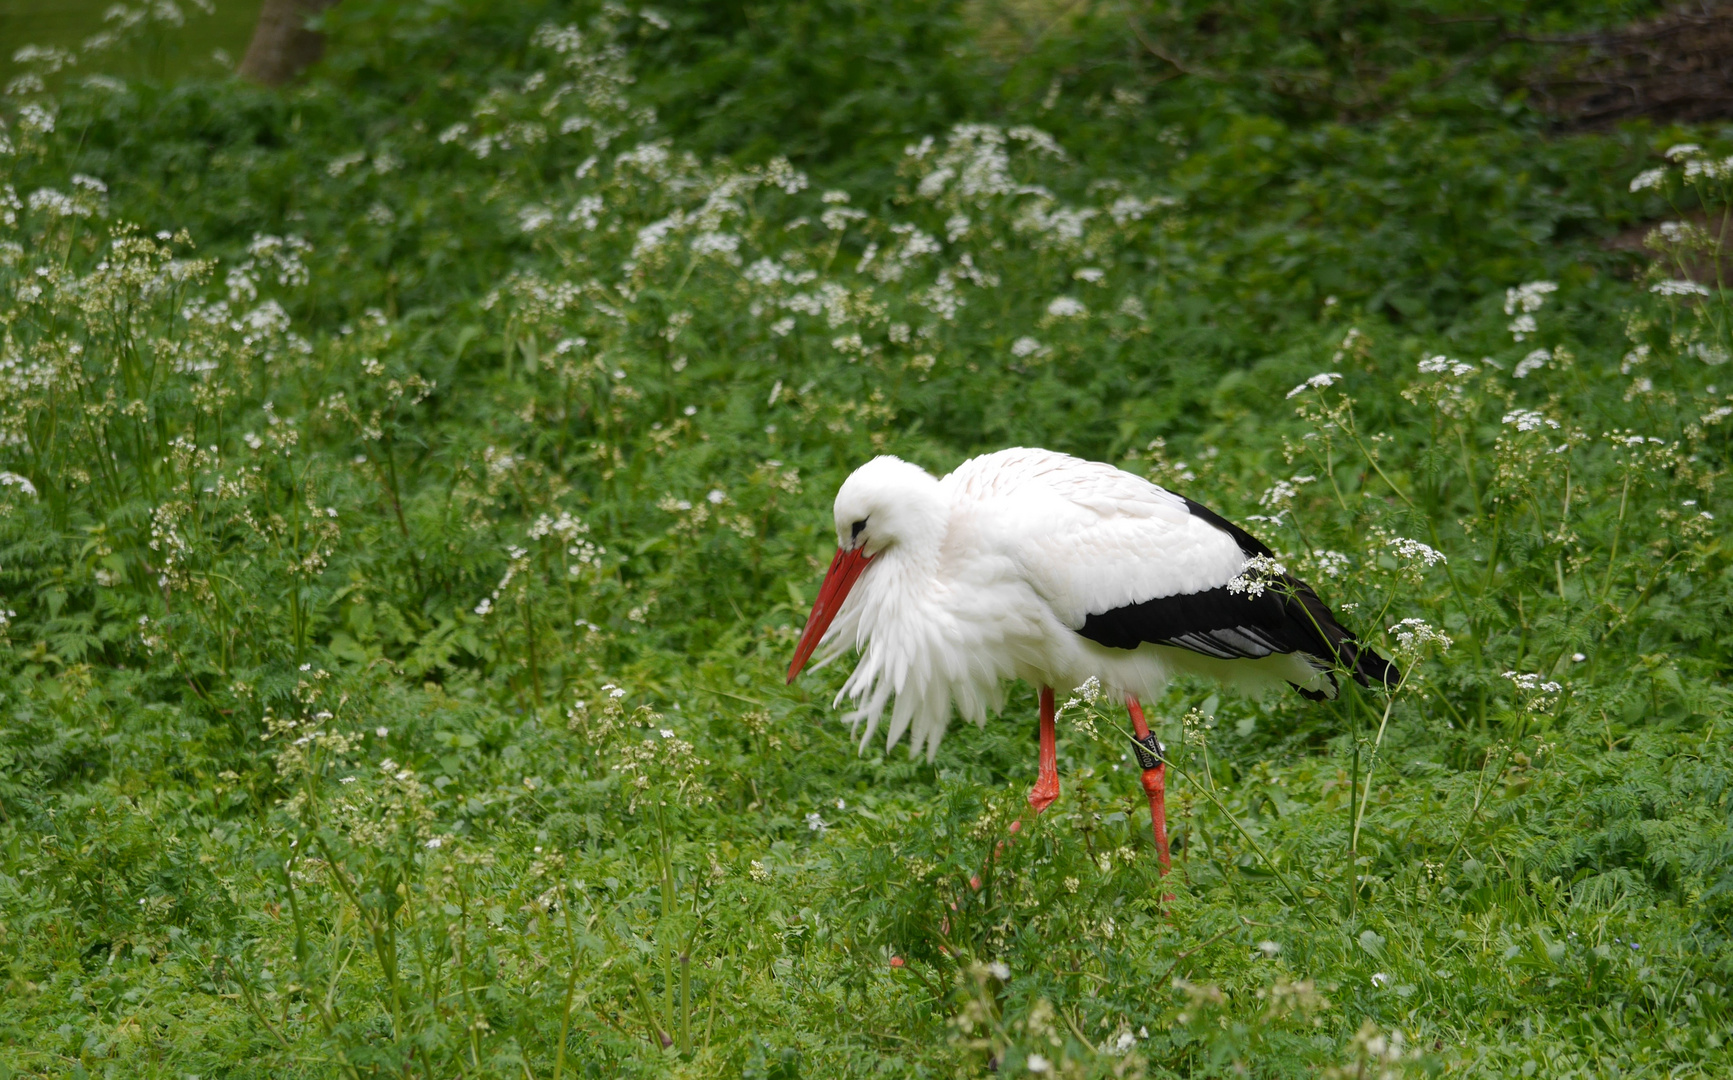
414,482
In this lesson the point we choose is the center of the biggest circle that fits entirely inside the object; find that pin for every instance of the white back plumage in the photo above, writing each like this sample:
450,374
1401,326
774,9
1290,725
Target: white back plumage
986,575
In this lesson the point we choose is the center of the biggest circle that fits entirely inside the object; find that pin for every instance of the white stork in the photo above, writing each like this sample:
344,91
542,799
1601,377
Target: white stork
1029,564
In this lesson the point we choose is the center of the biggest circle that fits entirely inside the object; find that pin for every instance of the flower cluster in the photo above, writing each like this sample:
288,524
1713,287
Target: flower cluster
1538,693
1259,572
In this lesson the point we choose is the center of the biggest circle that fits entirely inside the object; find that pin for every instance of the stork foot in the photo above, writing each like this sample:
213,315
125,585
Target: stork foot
1047,773
1046,790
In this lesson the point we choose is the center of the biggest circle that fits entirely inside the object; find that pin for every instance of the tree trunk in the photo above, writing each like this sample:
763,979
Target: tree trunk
282,46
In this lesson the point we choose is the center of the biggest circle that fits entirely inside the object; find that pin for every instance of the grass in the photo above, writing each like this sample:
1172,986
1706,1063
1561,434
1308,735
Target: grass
412,485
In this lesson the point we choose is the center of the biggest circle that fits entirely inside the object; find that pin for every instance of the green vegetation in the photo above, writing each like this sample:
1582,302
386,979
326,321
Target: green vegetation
412,484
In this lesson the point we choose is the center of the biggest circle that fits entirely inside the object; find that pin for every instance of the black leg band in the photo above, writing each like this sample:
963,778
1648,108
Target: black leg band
1149,750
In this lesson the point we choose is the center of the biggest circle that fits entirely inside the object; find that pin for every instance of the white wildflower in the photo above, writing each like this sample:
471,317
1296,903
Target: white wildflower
12,479
1531,363
1529,297
1331,564
1413,635
1282,492
1712,355
1065,307
586,213
1710,170
1127,209
1529,420
57,204
34,119
534,218
1676,232
1540,692
716,243
1443,365
837,218
341,165
1316,382
1415,551
1648,178
1038,140
1258,572
1678,288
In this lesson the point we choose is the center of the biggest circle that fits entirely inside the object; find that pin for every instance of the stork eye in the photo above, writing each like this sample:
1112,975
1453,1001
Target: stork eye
857,527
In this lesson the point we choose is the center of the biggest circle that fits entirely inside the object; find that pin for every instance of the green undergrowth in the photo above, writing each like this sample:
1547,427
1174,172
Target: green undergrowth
412,484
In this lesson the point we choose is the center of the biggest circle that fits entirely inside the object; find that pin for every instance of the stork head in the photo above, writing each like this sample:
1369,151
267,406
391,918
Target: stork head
885,505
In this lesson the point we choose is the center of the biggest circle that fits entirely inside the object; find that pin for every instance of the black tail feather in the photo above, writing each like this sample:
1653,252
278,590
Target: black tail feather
1339,646
1286,616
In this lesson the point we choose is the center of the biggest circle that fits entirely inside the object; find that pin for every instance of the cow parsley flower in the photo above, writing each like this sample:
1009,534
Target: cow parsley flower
1540,693
1331,564
1258,572
1709,170
1414,551
1531,363
1648,178
1678,288
1522,302
1413,635
1712,355
1443,365
1316,382
1529,420
12,479
1528,297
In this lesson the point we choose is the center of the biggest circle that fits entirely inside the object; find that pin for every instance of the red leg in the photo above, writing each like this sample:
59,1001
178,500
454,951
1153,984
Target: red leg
1047,778
1154,783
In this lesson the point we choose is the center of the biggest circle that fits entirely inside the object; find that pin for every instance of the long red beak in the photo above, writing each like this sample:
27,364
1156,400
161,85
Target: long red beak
844,570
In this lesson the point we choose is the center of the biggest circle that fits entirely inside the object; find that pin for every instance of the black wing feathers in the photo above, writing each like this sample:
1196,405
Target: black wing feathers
1236,626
